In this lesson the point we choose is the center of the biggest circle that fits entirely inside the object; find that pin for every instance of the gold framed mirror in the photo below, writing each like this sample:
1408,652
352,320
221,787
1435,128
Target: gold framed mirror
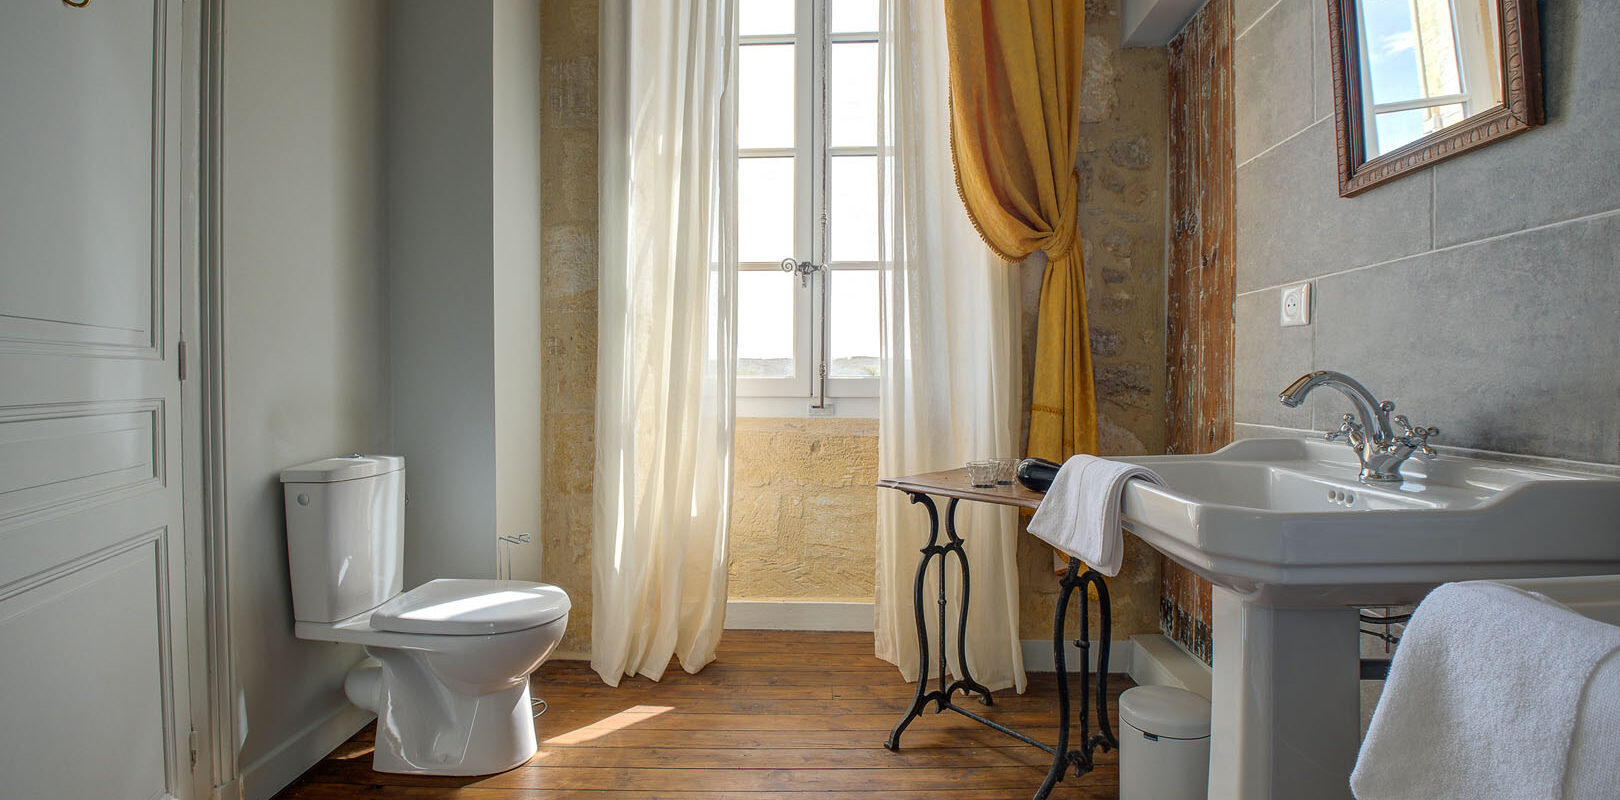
1416,82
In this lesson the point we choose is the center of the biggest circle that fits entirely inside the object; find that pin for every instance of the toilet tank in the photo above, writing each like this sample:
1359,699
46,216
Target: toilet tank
345,534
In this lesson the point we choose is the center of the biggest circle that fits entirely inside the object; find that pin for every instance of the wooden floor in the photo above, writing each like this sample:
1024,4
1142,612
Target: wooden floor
776,716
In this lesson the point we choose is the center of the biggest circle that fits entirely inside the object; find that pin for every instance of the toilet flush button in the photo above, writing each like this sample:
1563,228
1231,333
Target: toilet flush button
303,499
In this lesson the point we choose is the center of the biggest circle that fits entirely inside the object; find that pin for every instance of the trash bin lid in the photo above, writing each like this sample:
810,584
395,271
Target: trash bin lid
1165,711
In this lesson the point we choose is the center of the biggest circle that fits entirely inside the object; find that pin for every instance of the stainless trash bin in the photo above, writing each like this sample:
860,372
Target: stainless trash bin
1163,744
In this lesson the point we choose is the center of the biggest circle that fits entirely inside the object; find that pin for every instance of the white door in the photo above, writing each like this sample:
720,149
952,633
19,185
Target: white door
93,697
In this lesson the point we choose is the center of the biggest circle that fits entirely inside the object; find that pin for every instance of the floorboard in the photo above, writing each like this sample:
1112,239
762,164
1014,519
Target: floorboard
777,716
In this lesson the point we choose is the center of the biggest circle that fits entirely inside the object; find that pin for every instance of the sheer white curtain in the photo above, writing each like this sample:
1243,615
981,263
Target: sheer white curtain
951,384
666,327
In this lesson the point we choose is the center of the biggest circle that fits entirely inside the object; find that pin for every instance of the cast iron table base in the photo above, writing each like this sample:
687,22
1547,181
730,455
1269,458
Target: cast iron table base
1063,758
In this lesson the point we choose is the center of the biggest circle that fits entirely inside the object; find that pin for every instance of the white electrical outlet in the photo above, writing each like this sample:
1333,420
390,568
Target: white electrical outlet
1296,305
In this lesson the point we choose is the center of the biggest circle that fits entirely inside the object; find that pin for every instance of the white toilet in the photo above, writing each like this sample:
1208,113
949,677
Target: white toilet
450,679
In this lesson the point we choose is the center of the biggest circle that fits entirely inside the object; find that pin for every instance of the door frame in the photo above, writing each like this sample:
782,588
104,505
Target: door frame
216,774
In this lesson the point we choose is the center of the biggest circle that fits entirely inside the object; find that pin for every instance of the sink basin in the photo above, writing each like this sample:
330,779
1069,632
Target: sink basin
1294,544
1285,523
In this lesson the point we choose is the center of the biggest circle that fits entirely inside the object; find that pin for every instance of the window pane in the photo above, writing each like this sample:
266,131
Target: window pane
853,212
764,209
755,17
1397,129
764,324
1411,55
852,90
765,100
854,16
852,323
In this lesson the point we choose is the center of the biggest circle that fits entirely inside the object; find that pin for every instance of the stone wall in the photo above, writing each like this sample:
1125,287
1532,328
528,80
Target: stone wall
804,510
568,55
1122,183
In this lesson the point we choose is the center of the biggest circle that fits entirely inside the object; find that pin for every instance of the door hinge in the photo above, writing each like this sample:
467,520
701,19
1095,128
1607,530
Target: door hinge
192,739
181,357
822,370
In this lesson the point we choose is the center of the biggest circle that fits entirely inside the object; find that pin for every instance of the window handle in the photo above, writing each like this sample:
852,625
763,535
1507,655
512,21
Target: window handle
804,268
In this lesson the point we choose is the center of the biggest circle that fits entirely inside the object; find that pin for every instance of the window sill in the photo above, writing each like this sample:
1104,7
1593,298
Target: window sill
846,407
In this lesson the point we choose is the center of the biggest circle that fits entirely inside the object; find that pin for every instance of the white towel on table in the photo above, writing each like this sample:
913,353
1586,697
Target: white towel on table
1080,513
1482,697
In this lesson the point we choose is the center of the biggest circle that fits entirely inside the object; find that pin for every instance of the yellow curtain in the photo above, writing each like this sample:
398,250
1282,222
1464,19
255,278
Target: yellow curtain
1015,94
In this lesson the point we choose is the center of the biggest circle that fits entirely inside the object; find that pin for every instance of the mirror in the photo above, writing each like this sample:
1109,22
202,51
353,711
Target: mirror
1419,81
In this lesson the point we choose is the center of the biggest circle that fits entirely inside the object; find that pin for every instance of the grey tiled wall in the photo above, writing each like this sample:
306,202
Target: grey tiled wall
1481,295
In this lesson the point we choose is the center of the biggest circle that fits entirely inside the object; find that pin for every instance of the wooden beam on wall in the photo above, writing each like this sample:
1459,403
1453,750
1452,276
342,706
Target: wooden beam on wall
1202,277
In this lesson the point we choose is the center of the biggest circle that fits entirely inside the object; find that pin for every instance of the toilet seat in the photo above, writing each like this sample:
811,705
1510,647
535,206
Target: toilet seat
362,630
471,607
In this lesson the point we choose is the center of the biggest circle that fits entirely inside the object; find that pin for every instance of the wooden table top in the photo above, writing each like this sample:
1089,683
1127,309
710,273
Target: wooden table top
954,483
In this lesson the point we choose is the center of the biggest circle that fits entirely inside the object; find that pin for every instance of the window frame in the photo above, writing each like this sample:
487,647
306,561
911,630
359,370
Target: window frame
810,390
1472,75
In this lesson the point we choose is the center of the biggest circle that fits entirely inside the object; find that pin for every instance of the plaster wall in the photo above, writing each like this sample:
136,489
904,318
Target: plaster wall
515,267
1480,295
440,143
305,337
463,247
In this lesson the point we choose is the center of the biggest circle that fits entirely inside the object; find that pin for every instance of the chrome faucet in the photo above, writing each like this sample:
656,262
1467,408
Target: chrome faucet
1378,447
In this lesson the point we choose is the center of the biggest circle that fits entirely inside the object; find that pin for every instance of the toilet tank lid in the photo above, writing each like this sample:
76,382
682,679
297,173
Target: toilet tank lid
342,468
469,607
1165,711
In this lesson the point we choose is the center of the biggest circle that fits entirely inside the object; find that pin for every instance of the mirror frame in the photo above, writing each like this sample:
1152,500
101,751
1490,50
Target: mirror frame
1520,110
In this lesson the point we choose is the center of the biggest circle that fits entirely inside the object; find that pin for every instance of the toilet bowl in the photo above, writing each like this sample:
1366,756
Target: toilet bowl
449,661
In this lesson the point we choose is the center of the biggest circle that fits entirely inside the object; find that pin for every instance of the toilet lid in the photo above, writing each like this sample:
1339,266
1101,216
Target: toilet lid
471,607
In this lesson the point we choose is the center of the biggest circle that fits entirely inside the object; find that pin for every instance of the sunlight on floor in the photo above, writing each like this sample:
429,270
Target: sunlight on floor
352,750
600,728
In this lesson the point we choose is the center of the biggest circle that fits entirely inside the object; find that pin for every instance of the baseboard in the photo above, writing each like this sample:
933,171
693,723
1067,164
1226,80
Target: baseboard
282,765
791,615
1038,656
1157,661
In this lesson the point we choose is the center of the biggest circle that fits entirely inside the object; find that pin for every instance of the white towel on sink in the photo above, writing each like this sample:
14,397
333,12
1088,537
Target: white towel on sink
1482,697
1080,513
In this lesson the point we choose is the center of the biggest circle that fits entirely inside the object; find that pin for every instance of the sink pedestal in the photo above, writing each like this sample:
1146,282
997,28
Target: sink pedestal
1286,719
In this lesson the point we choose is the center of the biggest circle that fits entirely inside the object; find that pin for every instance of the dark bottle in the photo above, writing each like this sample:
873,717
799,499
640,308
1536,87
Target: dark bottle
1037,474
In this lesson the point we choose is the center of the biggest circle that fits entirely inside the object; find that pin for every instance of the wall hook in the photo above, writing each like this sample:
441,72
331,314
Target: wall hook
80,4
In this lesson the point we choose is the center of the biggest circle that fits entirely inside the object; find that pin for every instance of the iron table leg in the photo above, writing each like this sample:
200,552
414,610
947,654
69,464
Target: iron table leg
967,683
1062,757
941,697
920,701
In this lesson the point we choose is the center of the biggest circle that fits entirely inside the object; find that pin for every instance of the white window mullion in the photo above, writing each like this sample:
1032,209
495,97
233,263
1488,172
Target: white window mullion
817,219
805,180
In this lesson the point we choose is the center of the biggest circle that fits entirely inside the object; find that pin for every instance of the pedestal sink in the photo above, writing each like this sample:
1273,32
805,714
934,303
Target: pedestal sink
1295,544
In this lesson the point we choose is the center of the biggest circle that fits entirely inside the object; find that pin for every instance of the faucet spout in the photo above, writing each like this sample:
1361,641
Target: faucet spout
1377,446
1374,416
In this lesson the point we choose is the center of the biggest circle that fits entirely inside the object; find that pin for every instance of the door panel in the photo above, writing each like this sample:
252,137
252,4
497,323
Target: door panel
94,700
92,597
55,456
83,97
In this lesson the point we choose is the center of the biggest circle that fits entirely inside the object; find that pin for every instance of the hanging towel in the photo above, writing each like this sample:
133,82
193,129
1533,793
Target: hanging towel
1482,697
1080,513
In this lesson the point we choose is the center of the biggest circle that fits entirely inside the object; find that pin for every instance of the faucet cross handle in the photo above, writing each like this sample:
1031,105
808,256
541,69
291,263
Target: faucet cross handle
1349,430
1415,438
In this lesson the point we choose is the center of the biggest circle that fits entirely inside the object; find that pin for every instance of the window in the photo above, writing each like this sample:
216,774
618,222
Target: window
807,160
1430,64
